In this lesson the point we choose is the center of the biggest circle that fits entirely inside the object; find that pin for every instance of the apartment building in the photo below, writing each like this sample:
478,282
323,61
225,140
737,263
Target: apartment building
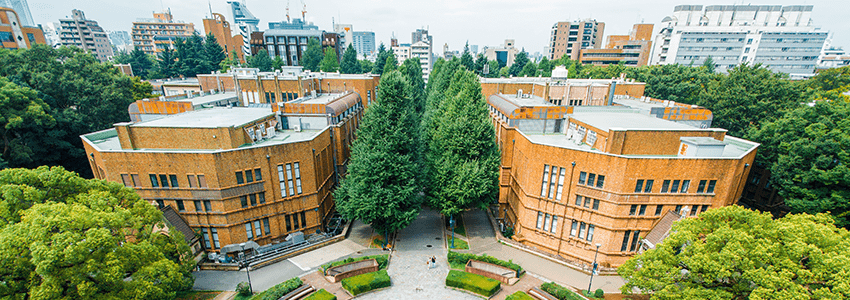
14,35
85,34
569,38
221,29
364,43
153,35
632,50
576,174
246,173
783,38
246,24
22,9
504,55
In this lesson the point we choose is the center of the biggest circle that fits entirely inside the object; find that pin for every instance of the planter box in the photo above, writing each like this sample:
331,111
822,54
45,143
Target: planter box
502,274
338,273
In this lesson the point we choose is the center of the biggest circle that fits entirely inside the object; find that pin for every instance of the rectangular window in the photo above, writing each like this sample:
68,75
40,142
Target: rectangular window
694,209
639,186
547,223
648,187
215,237
539,220
239,178
704,208
244,201
289,179
642,210
633,210
582,177
600,181
573,228
561,174
249,176
665,186
678,209
136,180
206,237
154,180
625,245
261,197
545,185
595,204
578,200
253,198
658,209
297,177
193,181
635,237
288,223
248,231
202,181
590,229
258,231
258,175
266,226
581,231
590,179
180,206
281,178
674,188
303,219
685,185
207,205
160,203
701,186
552,185
126,179
198,206
711,185
554,224
163,180
173,179
587,202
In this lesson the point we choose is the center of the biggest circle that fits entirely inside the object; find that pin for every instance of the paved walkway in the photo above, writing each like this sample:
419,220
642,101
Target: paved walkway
483,241
411,277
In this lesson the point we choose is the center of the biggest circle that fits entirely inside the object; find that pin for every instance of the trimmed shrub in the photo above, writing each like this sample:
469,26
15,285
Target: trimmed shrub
474,283
243,289
321,295
519,295
463,258
599,293
382,260
279,290
560,292
362,283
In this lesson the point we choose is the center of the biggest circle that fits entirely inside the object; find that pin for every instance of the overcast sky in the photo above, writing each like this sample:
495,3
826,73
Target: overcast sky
481,22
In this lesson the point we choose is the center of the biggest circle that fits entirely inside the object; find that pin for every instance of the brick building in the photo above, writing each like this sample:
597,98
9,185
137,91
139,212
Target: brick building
633,49
220,28
593,165
569,38
239,173
15,35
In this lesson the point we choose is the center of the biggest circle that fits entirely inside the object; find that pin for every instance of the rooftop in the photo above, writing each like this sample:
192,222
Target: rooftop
319,99
107,140
187,81
624,120
210,118
212,98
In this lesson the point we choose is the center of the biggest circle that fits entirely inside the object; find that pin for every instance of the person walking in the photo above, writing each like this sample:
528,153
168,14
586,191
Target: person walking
433,262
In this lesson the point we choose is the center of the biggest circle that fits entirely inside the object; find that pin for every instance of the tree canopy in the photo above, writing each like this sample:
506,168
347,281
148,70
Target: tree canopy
330,63
735,253
349,64
261,61
312,57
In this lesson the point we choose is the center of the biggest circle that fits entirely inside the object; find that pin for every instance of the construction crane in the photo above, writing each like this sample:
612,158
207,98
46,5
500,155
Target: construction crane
303,11
287,11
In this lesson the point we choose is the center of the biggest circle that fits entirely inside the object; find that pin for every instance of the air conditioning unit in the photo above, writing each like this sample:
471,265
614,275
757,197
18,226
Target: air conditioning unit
297,128
270,132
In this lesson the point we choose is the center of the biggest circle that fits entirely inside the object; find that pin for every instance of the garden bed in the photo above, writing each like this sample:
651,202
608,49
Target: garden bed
459,260
474,283
519,295
321,295
459,243
560,292
366,282
279,290
383,260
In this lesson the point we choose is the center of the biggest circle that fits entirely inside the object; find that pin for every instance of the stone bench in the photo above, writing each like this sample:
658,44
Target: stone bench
298,293
505,275
338,273
539,294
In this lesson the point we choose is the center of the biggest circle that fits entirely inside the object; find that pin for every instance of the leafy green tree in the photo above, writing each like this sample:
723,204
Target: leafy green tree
141,63
709,64
349,64
312,57
142,89
64,237
381,59
380,188
545,67
505,72
494,69
519,62
277,62
480,61
466,58
167,63
529,70
829,84
412,71
391,64
230,62
806,151
261,61
735,253
21,112
365,65
330,63
214,52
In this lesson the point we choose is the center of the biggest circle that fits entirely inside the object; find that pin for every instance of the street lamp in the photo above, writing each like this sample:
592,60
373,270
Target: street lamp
245,265
593,270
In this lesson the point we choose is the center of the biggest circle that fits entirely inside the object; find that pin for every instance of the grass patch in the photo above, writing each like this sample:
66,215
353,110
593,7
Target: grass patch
474,283
459,243
382,260
196,295
519,295
459,227
378,241
462,258
241,297
279,290
560,292
362,283
321,295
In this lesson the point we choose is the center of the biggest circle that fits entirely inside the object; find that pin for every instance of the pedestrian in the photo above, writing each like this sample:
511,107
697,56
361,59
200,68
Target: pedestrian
433,262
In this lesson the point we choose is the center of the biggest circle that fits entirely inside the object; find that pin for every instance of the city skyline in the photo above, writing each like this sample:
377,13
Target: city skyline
530,26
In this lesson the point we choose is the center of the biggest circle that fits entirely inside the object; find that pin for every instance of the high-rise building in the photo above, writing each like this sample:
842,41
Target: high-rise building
422,47
155,35
364,43
504,55
569,38
345,32
51,34
22,9
632,50
15,36
85,34
782,38
288,39
245,22
220,28
473,49
121,41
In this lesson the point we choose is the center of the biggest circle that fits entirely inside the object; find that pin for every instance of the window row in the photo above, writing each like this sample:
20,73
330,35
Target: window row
547,222
586,202
286,178
249,176
252,199
675,186
292,221
164,180
582,230
640,209
257,230
206,234
550,189
634,236
591,179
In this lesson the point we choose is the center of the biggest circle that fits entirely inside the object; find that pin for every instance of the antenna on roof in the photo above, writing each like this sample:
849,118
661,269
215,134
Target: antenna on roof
303,11
287,11
210,4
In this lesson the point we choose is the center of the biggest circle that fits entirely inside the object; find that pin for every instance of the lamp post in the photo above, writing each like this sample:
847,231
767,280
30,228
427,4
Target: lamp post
593,270
246,265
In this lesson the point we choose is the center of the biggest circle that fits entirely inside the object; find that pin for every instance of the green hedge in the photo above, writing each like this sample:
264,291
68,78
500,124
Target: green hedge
279,290
560,292
321,295
519,295
362,283
382,260
474,283
463,258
